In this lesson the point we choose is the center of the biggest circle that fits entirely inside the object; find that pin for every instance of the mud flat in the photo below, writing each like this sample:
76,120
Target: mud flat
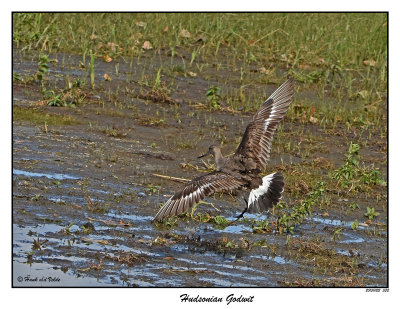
84,190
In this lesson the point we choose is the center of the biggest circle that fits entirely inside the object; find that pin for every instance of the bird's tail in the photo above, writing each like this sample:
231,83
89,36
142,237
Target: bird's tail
267,194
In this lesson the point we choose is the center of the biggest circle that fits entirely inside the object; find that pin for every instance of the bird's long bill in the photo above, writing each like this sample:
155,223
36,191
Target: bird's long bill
203,155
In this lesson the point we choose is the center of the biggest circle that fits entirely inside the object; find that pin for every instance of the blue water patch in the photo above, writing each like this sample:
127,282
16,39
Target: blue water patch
222,282
275,258
50,176
235,229
43,274
343,252
258,217
351,239
329,221
130,217
335,222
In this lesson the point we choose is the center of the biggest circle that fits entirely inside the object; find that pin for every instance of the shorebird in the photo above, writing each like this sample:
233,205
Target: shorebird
241,171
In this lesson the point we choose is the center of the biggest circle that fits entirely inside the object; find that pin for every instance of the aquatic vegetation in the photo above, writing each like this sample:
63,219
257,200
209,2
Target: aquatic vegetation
43,67
213,98
371,213
220,221
355,224
337,234
39,117
261,227
71,96
91,69
294,216
355,175
354,206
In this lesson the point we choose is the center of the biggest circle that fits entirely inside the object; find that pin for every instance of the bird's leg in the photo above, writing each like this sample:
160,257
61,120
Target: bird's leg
243,212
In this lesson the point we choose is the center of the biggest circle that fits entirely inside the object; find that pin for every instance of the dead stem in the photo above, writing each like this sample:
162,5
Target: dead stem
181,180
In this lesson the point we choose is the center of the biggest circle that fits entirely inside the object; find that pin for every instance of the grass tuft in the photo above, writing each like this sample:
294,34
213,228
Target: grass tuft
39,117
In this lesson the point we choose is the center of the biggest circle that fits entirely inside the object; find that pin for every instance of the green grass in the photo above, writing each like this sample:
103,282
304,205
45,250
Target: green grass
341,58
371,213
39,117
288,220
338,38
213,97
355,175
333,40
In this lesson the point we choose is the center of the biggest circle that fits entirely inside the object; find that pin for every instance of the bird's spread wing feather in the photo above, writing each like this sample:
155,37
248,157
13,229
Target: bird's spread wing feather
267,194
256,141
197,190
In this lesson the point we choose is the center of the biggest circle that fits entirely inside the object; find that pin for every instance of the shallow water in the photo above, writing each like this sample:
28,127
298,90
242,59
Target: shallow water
50,176
84,201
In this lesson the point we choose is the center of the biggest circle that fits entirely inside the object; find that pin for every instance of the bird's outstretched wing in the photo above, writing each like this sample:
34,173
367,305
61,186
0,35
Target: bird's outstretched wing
256,141
197,190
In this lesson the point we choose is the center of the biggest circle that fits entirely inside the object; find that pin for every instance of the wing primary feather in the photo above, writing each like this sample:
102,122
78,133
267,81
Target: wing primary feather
198,189
256,141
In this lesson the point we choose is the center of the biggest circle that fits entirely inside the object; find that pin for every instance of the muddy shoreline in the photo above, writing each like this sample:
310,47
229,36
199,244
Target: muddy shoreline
84,194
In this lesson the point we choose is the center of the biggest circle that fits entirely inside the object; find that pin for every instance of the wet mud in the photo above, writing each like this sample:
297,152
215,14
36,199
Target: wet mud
85,194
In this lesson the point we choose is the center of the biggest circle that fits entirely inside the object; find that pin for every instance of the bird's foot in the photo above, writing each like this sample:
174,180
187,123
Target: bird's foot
243,212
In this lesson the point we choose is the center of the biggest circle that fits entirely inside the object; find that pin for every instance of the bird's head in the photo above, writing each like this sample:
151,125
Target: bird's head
212,150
